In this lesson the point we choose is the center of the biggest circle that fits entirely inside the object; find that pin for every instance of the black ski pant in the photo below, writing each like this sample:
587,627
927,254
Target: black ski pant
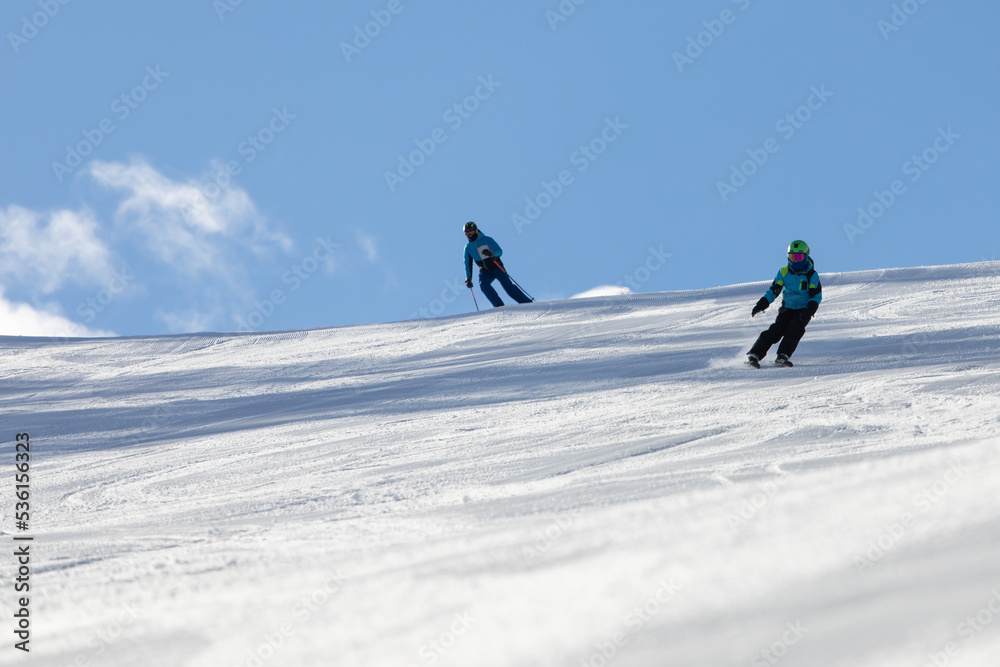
788,327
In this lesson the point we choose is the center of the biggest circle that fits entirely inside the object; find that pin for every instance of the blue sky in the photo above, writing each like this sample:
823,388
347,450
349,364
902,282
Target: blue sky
206,165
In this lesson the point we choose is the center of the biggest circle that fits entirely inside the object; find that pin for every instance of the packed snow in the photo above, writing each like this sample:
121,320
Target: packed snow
598,481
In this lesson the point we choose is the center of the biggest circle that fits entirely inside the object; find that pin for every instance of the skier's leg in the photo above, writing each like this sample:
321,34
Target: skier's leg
485,280
771,335
793,334
513,290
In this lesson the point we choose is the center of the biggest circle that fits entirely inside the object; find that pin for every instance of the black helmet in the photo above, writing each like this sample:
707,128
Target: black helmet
470,227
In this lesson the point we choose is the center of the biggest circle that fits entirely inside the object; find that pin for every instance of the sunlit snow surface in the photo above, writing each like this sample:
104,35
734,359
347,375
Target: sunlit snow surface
596,481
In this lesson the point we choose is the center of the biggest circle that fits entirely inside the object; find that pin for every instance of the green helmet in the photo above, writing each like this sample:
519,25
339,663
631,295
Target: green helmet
470,227
798,246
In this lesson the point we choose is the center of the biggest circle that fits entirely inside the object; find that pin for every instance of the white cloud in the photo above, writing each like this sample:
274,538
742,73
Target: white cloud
187,321
20,319
184,224
46,251
200,248
367,243
201,232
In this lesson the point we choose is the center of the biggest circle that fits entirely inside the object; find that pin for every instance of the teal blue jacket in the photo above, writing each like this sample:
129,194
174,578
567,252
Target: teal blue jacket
474,252
799,287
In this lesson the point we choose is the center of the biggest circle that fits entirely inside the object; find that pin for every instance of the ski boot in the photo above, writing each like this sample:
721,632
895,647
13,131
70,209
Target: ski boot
782,360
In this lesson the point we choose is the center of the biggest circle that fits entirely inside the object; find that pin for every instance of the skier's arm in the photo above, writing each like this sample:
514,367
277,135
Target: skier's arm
775,289
815,295
494,247
815,291
468,262
770,295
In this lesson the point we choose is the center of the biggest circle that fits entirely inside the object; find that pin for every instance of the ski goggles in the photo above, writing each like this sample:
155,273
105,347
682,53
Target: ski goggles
796,257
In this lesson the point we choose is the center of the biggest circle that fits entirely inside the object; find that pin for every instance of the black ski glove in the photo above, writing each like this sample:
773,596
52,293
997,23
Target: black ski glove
761,306
808,312
468,283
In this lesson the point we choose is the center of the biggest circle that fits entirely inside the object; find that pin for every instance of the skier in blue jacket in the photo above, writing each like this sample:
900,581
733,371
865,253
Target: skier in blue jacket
485,252
802,294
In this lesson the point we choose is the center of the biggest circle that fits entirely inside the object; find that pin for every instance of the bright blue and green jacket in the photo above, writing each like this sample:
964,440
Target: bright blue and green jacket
800,287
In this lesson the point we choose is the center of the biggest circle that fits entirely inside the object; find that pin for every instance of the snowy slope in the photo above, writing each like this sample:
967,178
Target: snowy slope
589,482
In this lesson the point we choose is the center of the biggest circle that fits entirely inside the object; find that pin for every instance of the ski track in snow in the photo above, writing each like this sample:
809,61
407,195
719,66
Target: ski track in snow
516,487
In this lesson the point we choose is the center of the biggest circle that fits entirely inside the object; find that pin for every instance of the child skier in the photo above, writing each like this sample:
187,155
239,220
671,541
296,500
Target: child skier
485,252
803,292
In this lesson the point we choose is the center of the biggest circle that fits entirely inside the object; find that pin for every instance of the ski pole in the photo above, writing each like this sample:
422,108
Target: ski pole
500,266
474,299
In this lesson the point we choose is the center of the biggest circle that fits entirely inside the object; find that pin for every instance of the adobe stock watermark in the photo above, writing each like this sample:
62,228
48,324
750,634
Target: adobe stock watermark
786,126
635,620
432,650
562,12
900,16
642,274
970,628
363,36
778,649
296,275
96,304
915,168
581,158
894,532
714,28
455,116
542,540
249,149
914,343
68,333
116,284
453,289
161,416
757,501
223,7
30,26
112,633
302,613
122,107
